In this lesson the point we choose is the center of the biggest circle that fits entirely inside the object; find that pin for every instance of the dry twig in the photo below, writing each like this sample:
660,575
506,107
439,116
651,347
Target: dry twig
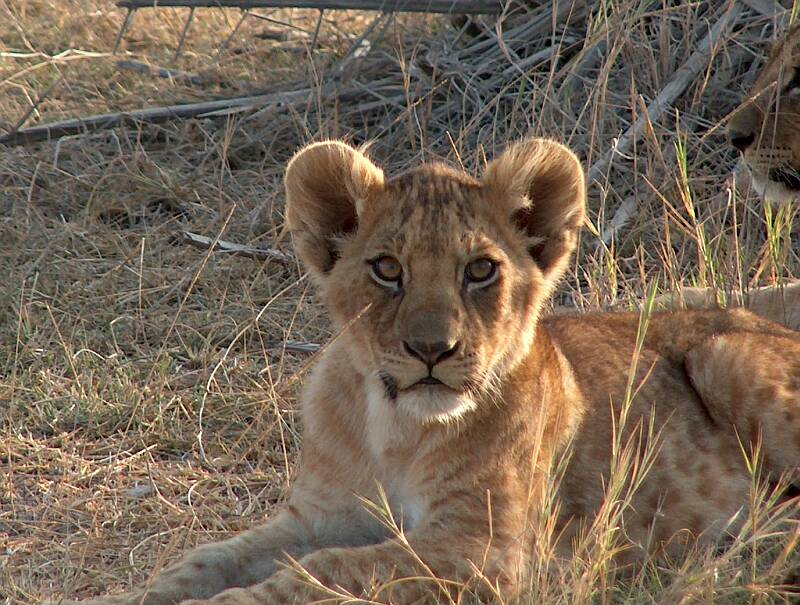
153,115
688,72
161,72
201,241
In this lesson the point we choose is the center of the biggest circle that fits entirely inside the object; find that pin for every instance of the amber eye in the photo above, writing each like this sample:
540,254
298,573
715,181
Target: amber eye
387,271
480,272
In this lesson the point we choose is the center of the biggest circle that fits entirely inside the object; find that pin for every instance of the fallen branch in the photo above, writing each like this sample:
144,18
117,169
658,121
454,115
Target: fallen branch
588,59
177,75
153,115
681,79
296,346
201,241
771,10
621,217
412,6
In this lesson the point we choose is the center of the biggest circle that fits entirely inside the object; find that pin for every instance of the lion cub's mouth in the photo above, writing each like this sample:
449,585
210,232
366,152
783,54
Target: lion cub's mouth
428,380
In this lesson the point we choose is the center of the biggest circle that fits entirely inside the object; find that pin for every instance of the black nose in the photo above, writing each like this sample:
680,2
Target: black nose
431,353
741,140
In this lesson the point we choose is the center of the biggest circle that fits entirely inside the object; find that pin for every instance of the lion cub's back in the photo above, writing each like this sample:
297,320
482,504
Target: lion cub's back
698,480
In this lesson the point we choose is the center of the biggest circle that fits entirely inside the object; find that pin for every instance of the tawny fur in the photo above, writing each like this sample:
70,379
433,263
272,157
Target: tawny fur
464,464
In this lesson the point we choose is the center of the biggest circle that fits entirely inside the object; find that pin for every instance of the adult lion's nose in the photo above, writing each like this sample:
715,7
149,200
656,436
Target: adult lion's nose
741,140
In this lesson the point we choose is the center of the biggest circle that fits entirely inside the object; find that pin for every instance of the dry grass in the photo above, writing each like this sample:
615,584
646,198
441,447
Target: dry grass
146,399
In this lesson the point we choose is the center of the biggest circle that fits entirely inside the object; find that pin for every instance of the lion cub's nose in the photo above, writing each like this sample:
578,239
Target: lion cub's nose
431,352
741,140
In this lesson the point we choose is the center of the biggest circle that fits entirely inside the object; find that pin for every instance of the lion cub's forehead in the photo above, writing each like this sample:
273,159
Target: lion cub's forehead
435,186
431,203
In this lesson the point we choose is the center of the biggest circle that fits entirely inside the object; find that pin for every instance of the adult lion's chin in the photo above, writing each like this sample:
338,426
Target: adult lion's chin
774,190
430,402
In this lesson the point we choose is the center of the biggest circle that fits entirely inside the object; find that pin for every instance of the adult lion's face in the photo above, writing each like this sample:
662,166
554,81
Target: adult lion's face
766,127
435,278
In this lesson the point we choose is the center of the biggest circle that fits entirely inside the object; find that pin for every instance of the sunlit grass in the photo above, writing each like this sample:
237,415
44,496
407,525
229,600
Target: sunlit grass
147,401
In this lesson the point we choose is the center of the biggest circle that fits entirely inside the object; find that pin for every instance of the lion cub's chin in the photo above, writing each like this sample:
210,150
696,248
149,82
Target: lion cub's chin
434,403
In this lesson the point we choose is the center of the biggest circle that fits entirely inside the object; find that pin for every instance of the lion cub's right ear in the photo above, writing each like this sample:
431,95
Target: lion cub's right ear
327,187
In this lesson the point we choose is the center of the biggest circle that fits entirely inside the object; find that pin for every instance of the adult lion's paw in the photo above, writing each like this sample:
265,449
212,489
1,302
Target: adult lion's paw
125,598
94,601
232,596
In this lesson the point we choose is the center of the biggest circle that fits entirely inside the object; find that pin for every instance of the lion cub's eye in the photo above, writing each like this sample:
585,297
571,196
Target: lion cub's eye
480,272
387,271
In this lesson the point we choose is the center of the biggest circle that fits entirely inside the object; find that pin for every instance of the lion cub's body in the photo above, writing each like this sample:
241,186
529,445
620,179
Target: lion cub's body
447,398
699,481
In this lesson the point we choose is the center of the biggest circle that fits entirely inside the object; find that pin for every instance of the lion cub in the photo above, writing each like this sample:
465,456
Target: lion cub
446,396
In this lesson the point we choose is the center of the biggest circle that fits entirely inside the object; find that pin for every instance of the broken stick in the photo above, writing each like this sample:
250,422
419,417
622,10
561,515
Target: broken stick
201,241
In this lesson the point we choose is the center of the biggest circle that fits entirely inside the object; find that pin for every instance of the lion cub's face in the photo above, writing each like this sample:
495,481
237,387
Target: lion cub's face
436,277
450,291
766,127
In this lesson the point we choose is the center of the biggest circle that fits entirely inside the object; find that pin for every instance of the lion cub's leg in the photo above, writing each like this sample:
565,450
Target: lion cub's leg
752,382
780,304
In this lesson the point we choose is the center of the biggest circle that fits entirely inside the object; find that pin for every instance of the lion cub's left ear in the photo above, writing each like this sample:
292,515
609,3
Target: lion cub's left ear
327,187
543,183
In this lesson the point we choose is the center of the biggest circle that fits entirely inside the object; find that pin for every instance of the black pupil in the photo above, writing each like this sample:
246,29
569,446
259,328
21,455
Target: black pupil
480,270
387,269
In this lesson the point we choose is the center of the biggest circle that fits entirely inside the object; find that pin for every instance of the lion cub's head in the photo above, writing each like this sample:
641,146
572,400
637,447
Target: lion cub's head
766,127
435,277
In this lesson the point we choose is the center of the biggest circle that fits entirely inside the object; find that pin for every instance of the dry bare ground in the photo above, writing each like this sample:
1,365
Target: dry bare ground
146,389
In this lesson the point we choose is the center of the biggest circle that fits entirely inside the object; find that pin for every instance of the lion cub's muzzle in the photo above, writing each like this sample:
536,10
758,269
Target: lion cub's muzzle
431,374
431,337
431,352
